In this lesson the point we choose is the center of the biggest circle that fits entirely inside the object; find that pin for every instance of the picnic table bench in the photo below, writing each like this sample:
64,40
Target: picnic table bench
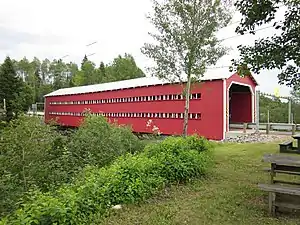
286,165
287,146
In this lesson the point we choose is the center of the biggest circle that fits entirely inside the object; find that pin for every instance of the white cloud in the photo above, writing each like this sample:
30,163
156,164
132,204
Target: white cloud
57,28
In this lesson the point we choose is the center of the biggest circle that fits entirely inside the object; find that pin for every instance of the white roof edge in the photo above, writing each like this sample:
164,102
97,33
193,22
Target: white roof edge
132,83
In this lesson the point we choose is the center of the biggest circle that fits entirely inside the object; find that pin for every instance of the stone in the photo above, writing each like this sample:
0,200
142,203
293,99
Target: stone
254,138
117,207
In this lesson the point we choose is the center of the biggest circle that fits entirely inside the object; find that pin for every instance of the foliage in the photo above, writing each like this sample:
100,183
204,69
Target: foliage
122,68
11,88
180,157
280,51
35,156
26,82
186,40
87,75
131,178
278,109
23,99
98,142
29,156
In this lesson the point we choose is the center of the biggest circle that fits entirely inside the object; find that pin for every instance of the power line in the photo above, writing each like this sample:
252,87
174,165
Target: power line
91,54
263,28
91,43
217,67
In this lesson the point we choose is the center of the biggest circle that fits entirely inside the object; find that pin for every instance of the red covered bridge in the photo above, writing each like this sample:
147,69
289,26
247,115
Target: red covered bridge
217,101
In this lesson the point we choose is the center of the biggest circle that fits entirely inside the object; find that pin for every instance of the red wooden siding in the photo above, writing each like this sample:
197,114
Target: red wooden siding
241,108
210,106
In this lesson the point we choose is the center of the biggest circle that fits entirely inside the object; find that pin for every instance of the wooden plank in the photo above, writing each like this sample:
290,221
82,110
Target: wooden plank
289,151
297,136
287,205
286,182
272,207
280,189
282,171
287,143
282,159
271,156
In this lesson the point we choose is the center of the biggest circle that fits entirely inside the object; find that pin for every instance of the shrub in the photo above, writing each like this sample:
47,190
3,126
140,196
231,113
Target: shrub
131,178
180,158
28,159
35,156
98,142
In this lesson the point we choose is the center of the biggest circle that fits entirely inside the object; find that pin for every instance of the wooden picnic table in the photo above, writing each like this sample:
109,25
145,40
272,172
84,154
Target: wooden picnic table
297,137
284,164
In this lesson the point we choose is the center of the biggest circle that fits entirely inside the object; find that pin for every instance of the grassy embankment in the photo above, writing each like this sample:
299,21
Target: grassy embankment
228,196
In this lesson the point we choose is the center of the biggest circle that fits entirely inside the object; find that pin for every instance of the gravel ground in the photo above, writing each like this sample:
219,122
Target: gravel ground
255,138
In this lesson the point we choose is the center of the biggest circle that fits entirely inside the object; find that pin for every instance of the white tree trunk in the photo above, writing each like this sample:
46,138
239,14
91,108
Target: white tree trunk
187,106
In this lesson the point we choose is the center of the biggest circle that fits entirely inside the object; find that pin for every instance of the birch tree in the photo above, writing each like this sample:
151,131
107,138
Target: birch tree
186,41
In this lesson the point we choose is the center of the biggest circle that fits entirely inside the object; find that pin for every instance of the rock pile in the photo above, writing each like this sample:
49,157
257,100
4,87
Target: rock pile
255,138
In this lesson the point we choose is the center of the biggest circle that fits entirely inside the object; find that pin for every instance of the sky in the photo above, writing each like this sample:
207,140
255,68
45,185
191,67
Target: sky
53,29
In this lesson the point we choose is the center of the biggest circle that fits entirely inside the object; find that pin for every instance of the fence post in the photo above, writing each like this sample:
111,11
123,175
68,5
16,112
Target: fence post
294,129
268,127
245,128
290,109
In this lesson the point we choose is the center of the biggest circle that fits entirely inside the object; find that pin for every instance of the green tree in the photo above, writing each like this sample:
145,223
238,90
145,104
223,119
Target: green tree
85,59
87,75
123,68
186,40
102,73
23,99
72,69
280,51
23,69
11,87
278,110
31,156
37,84
45,67
58,71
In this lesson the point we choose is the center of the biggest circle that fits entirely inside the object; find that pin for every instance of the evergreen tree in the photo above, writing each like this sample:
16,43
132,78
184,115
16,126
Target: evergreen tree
85,59
37,86
10,85
102,73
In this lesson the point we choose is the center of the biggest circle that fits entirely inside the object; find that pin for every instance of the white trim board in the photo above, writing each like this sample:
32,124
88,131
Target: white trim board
224,109
252,97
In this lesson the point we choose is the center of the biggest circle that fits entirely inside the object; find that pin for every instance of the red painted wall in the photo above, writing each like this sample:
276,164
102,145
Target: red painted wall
241,107
210,106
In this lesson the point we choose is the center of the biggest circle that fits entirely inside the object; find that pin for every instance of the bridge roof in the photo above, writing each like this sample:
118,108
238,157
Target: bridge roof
215,74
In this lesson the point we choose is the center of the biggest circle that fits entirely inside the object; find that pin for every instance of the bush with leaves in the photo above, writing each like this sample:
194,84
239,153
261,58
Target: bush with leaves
181,158
131,178
30,157
98,142
35,156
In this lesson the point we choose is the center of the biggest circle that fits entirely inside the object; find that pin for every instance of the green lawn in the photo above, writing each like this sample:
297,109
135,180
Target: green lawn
228,196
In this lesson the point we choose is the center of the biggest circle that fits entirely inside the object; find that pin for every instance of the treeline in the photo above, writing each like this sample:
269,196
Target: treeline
25,82
278,109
